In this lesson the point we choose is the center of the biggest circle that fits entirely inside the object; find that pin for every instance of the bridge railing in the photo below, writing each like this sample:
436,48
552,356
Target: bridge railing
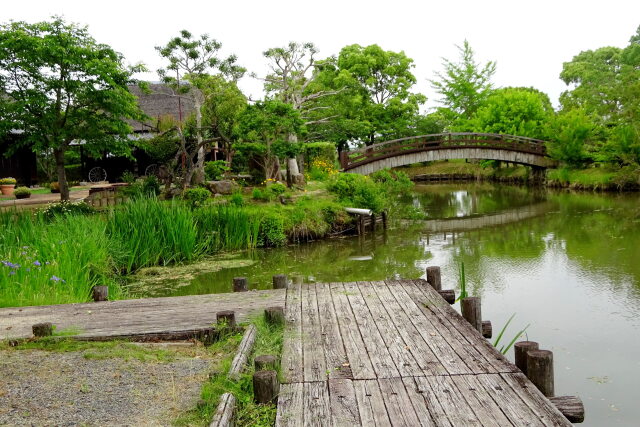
440,141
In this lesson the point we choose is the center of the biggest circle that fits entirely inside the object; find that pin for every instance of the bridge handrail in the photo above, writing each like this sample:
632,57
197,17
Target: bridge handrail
440,141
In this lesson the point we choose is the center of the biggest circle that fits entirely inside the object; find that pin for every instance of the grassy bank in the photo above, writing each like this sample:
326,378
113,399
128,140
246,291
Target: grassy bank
57,255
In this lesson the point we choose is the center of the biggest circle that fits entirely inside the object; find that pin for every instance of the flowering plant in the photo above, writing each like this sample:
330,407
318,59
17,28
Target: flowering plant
8,181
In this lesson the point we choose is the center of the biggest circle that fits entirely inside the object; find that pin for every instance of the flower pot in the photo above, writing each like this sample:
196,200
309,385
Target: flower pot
7,190
23,196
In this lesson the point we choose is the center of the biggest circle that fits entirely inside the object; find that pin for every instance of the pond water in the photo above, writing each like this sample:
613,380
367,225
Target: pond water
566,264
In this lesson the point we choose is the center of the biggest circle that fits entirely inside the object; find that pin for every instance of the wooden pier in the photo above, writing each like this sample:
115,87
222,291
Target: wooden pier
395,353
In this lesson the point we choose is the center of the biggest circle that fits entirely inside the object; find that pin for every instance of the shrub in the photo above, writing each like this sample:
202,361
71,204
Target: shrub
151,186
258,194
272,230
276,189
321,169
128,177
22,192
216,169
7,181
362,191
236,199
393,181
319,150
196,197
66,207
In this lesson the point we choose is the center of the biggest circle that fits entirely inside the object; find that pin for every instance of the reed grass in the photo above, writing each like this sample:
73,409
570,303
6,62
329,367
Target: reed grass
505,348
226,227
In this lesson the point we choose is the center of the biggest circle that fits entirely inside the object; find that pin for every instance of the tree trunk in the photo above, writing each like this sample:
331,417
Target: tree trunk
292,163
62,176
199,169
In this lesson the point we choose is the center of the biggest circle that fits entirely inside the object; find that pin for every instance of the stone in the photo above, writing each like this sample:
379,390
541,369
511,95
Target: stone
222,187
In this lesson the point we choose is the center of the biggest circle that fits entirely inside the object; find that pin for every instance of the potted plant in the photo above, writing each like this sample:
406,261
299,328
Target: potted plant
55,187
22,193
7,185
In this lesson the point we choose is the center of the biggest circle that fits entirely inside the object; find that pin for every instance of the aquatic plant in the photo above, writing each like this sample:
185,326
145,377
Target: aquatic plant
505,348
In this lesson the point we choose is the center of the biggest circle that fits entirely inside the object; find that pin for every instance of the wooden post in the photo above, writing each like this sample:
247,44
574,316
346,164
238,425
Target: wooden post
487,329
384,220
363,230
373,222
449,295
540,370
280,281
570,406
433,277
265,362
42,329
240,284
274,315
520,350
226,318
100,293
266,387
472,312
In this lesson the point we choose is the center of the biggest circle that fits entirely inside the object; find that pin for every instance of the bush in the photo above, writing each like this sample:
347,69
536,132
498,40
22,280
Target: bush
276,189
258,194
215,170
22,192
147,187
321,169
362,191
272,230
236,199
393,181
325,151
196,197
66,207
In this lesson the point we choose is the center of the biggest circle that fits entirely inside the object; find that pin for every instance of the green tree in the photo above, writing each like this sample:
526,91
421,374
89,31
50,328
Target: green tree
569,135
464,85
265,127
195,58
58,85
514,111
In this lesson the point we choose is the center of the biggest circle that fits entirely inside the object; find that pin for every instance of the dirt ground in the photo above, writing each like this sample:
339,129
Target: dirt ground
43,388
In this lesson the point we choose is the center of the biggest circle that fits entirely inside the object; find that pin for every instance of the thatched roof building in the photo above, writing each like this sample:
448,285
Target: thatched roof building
161,101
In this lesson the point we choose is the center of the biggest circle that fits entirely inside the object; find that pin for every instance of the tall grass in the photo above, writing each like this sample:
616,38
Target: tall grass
151,232
53,262
505,348
225,227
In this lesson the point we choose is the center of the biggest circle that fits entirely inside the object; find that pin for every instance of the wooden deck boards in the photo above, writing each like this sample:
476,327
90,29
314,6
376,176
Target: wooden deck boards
395,354
137,317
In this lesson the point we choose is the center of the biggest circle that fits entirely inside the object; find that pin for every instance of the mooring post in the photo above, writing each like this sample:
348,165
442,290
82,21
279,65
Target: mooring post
487,329
363,230
100,293
265,362
266,387
449,295
274,315
280,281
42,329
472,312
520,349
433,277
373,222
384,220
226,318
240,284
540,370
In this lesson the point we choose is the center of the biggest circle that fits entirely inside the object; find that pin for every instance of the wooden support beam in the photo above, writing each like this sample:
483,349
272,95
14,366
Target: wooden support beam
280,281
266,387
570,406
487,329
265,362
433,277
100,293
520,350
244,351
226,319
384,220
472,312
449,295
540,370
240,284
274,315
42,329
225,412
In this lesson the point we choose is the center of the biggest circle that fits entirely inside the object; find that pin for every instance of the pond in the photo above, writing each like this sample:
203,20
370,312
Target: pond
565,264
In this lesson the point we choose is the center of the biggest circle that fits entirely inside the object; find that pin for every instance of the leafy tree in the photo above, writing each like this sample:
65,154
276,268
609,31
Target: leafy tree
464,85
58,85
195,58
569,135
265,126
514,111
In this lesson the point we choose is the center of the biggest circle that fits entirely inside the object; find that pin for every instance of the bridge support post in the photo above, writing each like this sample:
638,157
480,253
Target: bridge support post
538,174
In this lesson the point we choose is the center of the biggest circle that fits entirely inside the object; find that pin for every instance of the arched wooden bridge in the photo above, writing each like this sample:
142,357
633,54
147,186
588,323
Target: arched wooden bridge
445,146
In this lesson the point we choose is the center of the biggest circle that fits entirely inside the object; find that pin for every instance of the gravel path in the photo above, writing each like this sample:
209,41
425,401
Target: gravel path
65,389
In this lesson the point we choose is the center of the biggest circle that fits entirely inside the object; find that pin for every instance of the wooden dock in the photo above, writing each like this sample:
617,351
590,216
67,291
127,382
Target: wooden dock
161,318
395,353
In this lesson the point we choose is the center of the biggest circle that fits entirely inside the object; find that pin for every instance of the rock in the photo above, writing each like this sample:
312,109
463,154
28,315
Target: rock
222,187
298,180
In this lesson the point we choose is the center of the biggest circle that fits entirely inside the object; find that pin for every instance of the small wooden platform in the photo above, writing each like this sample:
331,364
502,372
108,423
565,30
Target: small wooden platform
127,318
395,353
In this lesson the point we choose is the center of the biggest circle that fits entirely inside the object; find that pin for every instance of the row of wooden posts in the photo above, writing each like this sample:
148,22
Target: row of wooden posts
536,364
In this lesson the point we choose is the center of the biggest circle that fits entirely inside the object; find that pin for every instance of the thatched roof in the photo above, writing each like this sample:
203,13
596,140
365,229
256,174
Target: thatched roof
160,102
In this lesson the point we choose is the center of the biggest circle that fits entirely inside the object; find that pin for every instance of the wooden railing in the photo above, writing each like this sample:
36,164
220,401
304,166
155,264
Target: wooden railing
440,141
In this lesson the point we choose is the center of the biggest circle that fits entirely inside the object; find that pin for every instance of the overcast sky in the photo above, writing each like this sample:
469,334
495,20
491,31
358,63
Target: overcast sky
529,40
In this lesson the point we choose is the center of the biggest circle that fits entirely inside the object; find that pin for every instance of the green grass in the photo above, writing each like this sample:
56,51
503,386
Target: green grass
505,348
592,178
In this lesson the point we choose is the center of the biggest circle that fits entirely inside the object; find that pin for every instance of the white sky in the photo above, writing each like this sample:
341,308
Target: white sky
529,40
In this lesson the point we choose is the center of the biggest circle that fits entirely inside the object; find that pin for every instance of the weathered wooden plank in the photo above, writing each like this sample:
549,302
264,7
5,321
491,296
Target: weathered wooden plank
406,328
485,408
425,403
337,362
539,404
467,355
396,399
244,351
359,360
344,407
452,401
516,411
292,351
399,349
225,412
381,360
316,404
370,403
290,405
315,368
477,342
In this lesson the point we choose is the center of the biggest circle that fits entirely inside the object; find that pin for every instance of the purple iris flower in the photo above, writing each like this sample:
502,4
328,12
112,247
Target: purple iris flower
37,263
